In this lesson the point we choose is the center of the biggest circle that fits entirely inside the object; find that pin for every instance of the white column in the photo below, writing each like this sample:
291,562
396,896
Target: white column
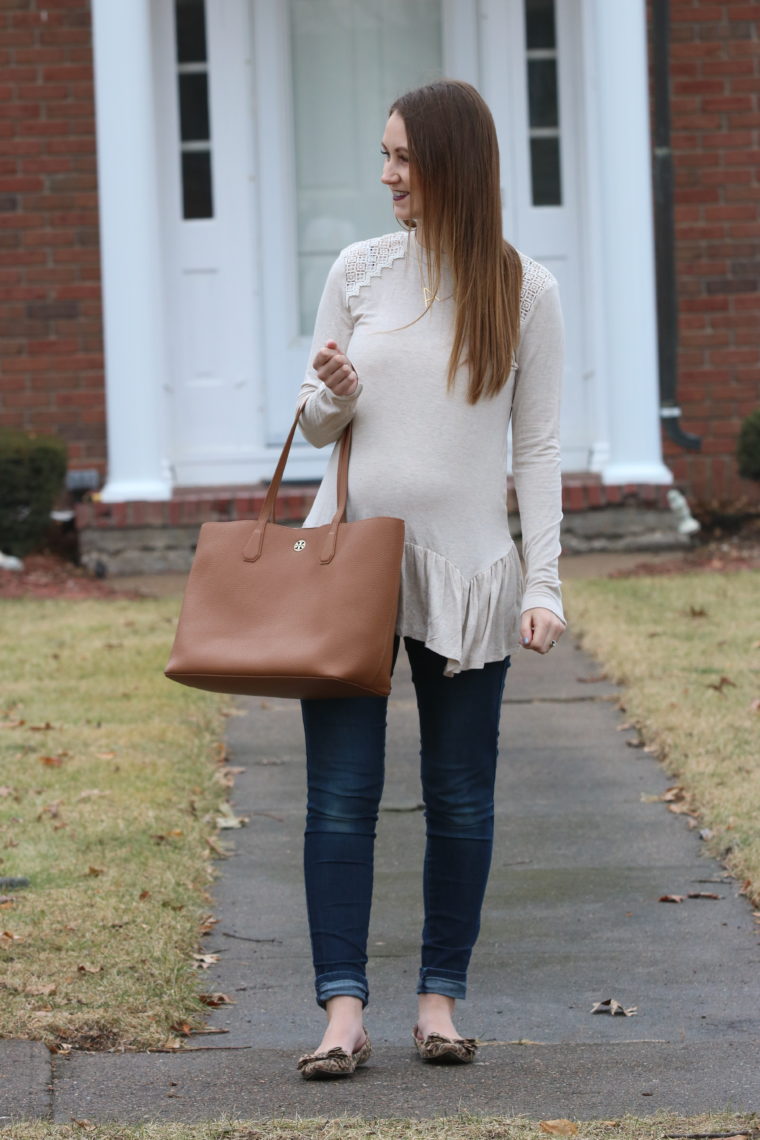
620,166
135,353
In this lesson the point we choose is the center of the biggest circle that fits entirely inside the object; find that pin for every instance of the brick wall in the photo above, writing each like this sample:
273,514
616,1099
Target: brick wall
715,80
50,317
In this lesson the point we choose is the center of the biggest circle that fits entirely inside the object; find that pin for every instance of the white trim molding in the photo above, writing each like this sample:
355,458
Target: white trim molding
131,253
621,237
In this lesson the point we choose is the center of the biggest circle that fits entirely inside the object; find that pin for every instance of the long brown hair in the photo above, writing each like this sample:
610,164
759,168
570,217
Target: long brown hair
454,167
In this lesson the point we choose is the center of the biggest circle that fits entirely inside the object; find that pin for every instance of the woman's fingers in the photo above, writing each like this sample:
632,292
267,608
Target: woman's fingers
335,369
539,628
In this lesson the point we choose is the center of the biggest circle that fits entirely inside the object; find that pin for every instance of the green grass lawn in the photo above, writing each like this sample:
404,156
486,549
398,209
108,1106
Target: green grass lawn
107,797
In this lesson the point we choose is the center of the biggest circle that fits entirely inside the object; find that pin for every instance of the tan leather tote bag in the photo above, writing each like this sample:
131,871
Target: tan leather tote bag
279,611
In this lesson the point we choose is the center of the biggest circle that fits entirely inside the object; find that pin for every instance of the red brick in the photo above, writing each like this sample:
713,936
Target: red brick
697,87
728,103
730,213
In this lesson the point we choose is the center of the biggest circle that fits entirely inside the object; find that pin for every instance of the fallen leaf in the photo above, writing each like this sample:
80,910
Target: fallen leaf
613,1007
671,898
208,924
85,968
51,761
721,684
96,871
53,810
143,895
12,723
6,902
90,793
171,1044
215,1000
681,809
7,938
697,612
85,1125
62,1047
46,727
105,755
706,833
203,961
183,1027
558,1127
703,895
41,991
216,847
636,743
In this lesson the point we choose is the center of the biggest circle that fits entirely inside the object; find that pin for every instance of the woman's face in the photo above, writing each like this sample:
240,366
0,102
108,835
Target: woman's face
396,172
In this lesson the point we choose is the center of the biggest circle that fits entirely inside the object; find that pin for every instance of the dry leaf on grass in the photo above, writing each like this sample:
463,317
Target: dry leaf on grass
615,1008
203,961
7,938
41,991
51,761
86,968
216,847
227,820
215,1000
96,871
720,685
558,1127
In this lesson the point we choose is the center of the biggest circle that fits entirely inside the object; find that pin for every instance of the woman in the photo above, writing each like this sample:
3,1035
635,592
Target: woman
430,339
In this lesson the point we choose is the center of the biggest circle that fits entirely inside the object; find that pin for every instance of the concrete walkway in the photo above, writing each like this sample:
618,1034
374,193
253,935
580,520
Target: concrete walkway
572,917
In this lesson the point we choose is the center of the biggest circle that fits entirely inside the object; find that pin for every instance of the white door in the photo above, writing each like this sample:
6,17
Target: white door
205,146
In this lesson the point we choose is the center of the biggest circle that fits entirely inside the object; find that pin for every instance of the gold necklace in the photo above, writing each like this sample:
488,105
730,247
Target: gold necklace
428,295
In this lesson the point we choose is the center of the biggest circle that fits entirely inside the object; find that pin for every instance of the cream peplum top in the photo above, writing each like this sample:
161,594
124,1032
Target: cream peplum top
423,454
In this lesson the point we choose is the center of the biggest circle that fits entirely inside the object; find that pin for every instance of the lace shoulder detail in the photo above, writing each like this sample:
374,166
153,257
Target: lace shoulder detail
536,279
367,259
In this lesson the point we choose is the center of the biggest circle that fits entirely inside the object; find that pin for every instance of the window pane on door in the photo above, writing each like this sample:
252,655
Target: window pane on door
350,60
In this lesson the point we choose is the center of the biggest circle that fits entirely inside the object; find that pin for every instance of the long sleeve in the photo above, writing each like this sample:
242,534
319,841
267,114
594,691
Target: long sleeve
535,449
325,415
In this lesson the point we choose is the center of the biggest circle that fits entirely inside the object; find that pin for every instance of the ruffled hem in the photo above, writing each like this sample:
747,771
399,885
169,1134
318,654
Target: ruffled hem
469,621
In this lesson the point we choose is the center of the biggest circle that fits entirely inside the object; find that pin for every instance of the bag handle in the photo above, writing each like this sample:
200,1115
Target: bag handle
254,546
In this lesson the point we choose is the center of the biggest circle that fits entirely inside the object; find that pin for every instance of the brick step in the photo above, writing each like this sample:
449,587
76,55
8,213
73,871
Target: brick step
192,506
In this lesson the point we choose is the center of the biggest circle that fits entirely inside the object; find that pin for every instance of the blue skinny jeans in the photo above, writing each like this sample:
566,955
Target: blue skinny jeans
345,752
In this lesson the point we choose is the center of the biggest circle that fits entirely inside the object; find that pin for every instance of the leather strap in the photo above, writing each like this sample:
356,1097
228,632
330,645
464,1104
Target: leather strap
255,544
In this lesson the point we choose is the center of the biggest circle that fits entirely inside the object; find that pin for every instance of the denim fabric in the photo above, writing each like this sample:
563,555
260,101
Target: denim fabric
345,752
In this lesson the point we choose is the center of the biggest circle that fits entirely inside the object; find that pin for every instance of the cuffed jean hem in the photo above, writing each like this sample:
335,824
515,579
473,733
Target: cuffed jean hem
432,982
341,985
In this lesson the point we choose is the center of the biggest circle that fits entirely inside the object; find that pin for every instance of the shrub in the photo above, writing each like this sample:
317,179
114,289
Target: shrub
748,446
32,470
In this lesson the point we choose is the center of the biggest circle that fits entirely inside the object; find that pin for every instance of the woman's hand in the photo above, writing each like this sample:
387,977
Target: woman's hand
540,630
335,370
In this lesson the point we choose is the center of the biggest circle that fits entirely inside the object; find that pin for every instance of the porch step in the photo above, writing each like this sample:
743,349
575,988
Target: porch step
152,537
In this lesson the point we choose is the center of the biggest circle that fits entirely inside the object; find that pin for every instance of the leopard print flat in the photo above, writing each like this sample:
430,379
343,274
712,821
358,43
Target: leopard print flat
334,1062
445,1050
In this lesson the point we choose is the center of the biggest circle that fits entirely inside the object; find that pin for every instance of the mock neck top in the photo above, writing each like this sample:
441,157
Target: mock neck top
420,452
